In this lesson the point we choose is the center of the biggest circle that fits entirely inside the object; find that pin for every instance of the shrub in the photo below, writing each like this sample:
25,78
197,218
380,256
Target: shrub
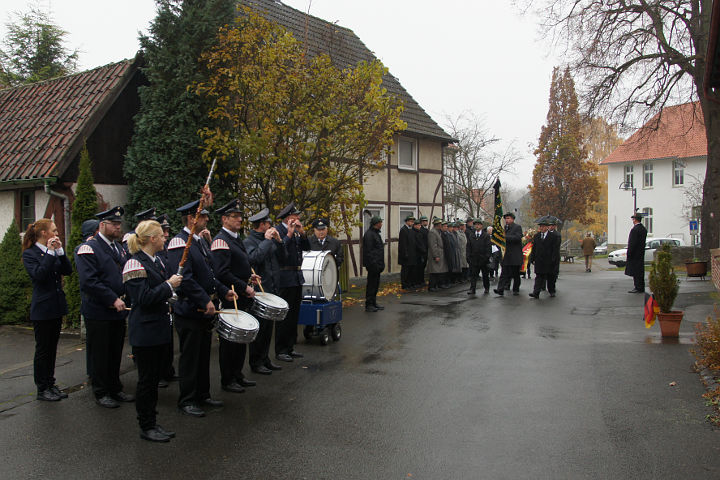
15,284
663,281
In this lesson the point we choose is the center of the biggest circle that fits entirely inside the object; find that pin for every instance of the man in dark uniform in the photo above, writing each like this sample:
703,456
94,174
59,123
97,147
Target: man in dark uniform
557,241
452,254
479,251
373,254
232,269
544,255
513,257
417,277
290,281
148,214
194,311
99,263
265,250
320,240
423,239
407,252
635,264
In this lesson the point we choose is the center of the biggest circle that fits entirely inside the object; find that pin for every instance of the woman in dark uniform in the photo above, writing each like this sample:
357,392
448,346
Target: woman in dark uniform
46,263
149,287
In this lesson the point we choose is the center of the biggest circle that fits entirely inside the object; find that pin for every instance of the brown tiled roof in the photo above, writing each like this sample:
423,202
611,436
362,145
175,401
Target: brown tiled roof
346,49
680,133
44,125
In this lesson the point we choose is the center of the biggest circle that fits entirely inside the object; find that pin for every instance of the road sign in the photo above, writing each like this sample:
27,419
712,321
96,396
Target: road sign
693,227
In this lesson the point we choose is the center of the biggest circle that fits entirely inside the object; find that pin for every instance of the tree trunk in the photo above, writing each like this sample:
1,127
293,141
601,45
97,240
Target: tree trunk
710,233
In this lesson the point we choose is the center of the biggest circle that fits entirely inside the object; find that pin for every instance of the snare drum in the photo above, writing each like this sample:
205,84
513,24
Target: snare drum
237,326
270,307
320,274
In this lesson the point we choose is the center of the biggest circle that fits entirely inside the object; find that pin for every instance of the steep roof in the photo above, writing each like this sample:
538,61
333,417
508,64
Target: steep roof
345,49
44,125
676,132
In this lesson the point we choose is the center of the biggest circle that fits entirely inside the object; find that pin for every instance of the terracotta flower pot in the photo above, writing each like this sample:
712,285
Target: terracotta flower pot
696,269
670,323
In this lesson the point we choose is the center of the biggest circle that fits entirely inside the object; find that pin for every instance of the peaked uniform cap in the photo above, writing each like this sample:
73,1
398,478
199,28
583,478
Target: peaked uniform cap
410,217
423,218
191,208
89,227
477,220
262,216
164,220
509,214
436,220
148,214
113,215
289,210
233,206
321,223
375,220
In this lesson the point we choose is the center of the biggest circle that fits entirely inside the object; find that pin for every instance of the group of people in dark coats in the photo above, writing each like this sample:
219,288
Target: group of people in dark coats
134,282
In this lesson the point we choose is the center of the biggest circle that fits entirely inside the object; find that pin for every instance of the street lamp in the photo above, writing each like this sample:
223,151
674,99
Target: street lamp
629,186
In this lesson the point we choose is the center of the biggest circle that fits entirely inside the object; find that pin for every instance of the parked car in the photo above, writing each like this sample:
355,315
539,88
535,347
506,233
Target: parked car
601,249
619,257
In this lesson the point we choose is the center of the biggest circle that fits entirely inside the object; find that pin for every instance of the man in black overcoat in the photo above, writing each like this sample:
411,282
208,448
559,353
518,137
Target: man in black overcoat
478,254
373,254
544,255
635,266
407,252
417,277
513,258
321,241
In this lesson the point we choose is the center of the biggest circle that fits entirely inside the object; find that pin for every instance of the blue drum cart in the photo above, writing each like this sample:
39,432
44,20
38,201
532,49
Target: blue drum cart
321,307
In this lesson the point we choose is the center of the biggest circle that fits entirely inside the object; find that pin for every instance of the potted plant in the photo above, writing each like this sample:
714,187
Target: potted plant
664,286
696,268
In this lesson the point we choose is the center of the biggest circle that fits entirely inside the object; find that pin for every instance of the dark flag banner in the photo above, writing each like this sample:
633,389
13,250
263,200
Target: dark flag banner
651,310
498,235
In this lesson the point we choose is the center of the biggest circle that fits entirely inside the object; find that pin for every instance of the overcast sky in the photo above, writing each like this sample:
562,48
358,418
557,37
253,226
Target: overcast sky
452,56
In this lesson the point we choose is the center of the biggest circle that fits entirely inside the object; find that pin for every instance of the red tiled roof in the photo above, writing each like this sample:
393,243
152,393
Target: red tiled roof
43,125
680,134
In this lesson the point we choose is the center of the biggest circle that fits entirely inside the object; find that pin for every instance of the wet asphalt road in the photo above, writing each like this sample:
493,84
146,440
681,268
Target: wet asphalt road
435,387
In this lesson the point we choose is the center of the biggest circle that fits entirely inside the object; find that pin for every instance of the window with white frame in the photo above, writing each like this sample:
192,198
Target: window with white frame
648,219
27,209
404,212
647,175
407,153
374,211
629,175
678,173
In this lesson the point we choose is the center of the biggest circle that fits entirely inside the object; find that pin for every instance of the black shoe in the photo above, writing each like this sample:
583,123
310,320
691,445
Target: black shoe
444,286
552,295
107,402
635,290
244,382
516,293
54,389
233,387
192,410
498,292
284,357
164,432
213,403
433,289
295,354
371,308
379,307
471,292
534,295
122,397
262,370
154,435
486,291
163,384
271,366
48,396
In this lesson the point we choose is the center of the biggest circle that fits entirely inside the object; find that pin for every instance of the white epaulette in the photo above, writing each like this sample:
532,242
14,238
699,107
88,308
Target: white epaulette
85,250
133,269
126,236
176,242
219,244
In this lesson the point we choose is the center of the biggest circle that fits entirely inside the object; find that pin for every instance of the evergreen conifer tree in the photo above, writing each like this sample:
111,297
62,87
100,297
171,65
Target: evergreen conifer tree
15,284
83,208
164,167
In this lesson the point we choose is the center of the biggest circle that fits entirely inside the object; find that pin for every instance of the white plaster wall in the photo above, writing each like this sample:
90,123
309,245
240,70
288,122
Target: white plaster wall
7,210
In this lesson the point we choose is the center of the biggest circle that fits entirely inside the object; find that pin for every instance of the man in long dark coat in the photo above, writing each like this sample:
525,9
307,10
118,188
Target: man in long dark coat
544,255
513,257
417,278
635,266
407,252
479,251
373,255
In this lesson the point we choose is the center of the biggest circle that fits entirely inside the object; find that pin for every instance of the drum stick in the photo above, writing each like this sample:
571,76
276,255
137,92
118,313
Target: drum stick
234,298
259,282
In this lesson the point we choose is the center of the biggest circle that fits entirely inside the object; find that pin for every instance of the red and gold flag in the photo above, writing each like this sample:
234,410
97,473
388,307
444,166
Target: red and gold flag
651,310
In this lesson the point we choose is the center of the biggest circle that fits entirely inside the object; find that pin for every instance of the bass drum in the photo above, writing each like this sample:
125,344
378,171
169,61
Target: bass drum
320,275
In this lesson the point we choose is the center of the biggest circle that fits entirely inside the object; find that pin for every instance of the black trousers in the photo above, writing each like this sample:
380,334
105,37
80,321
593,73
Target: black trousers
551,280
436,279
541,282
639,281
509,272
149,363
194,364
406,275
372,286
260,348
475,270
232,358
167,371
47,334
105,339
419,274
286,331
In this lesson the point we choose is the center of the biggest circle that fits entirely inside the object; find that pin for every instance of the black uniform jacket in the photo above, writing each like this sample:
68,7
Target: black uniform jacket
231,265
544,253
479,249
636,250
46,271
145,283
290,274
513,245
199,282
100,276
423,243
407,246
452,251
373,251
332,244
265,257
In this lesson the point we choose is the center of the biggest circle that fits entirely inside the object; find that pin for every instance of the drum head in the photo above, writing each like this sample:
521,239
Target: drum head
329,276
271,300
240,320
